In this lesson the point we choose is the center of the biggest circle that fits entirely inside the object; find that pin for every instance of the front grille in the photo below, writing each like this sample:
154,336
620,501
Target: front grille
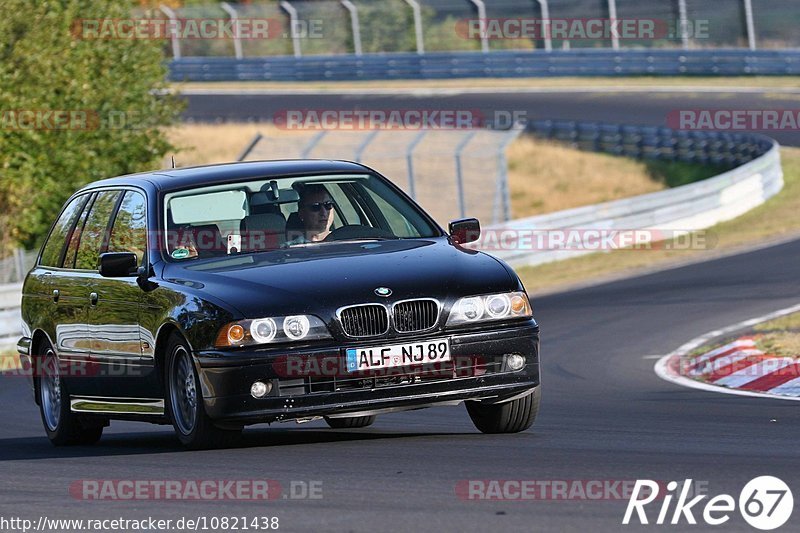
415,315
364,320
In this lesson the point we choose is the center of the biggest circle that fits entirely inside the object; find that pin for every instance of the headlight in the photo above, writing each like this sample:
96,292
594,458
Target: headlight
490,307
272,330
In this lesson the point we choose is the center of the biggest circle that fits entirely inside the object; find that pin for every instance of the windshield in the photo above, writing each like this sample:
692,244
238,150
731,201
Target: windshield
270,214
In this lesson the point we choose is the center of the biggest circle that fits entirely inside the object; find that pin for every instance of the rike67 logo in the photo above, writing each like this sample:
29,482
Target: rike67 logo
765,503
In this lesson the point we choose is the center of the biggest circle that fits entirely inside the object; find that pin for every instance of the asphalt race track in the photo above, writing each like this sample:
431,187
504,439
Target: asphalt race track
605,416
645,108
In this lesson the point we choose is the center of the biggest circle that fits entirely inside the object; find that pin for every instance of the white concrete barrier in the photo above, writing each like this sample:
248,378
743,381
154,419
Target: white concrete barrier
665,213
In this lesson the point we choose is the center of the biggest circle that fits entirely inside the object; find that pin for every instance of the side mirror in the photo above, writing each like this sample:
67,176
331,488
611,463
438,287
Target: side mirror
118,264
464,230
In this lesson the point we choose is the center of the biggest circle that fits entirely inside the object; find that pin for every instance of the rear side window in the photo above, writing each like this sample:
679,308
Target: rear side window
75,238
94,231
53,248
129,233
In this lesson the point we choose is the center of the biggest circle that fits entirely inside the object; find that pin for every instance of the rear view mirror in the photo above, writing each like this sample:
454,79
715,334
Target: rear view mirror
118,264
464,230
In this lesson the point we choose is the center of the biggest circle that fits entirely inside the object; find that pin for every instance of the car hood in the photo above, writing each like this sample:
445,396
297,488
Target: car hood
316,278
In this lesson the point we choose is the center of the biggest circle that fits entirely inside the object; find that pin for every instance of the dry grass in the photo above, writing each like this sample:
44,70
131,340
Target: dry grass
780,337
202,144
785,322
782,344
644,81
546,176
774,219
8,359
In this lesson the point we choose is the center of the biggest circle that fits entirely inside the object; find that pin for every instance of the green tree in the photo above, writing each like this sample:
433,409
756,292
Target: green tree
47,65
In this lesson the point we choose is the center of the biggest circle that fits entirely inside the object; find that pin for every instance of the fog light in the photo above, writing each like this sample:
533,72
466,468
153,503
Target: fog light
515,362
259,389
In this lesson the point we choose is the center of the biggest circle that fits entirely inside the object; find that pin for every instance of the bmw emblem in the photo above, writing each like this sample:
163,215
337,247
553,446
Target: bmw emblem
383,291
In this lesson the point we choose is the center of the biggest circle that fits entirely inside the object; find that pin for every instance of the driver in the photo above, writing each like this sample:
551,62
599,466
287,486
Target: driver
315,211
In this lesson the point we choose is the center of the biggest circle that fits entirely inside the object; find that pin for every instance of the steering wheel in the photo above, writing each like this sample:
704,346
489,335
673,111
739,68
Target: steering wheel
357,231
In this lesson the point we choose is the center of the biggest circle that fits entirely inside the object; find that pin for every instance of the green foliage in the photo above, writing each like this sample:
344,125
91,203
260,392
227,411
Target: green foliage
44,67
677,173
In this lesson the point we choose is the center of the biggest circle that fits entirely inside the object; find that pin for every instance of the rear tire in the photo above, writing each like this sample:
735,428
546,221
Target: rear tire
350,422
510,417
63,427
184,402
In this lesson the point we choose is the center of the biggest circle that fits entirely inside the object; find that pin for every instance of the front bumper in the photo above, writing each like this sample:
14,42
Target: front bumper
26,357
319,386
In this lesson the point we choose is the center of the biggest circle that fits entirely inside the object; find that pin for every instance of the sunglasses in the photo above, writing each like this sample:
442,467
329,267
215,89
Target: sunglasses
317,206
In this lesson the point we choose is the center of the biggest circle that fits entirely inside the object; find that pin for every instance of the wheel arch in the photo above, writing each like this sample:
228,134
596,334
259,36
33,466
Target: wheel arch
38,339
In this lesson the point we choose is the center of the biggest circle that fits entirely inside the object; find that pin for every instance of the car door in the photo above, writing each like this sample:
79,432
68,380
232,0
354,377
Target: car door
82,258
115,302
61,295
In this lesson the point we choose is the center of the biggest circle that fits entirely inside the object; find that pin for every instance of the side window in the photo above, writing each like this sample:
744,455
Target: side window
345,212
397,222
129,233
75,236
51,252
94,231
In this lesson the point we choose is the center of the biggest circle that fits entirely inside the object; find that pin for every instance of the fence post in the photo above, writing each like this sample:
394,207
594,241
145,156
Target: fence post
482,24
410,162
546,27
751,27
459,172
19,263
363,146
351,7
289,8
684,24
237,38
503,193
249,147
313,143
417,25
612,14
176,44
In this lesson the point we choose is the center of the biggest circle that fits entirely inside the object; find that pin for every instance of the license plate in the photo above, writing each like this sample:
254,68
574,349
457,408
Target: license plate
395,355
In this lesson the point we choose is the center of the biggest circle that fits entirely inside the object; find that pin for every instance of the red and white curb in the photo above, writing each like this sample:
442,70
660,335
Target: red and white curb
737,368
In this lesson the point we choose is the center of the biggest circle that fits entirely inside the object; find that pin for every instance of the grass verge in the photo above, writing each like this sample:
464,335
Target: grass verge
9,360
780,337
776,218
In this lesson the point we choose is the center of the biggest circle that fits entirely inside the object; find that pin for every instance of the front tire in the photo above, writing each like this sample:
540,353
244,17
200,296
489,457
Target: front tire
63,427
350,422
510,417
184,401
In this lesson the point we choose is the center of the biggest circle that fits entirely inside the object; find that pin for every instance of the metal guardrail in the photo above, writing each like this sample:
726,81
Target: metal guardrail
756,177
500,64
10,318
309,27
13,269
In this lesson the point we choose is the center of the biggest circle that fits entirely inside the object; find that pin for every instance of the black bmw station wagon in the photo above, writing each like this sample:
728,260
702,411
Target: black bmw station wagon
216,297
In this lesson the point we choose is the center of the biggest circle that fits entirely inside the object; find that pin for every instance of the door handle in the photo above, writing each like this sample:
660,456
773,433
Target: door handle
56,294
93,298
